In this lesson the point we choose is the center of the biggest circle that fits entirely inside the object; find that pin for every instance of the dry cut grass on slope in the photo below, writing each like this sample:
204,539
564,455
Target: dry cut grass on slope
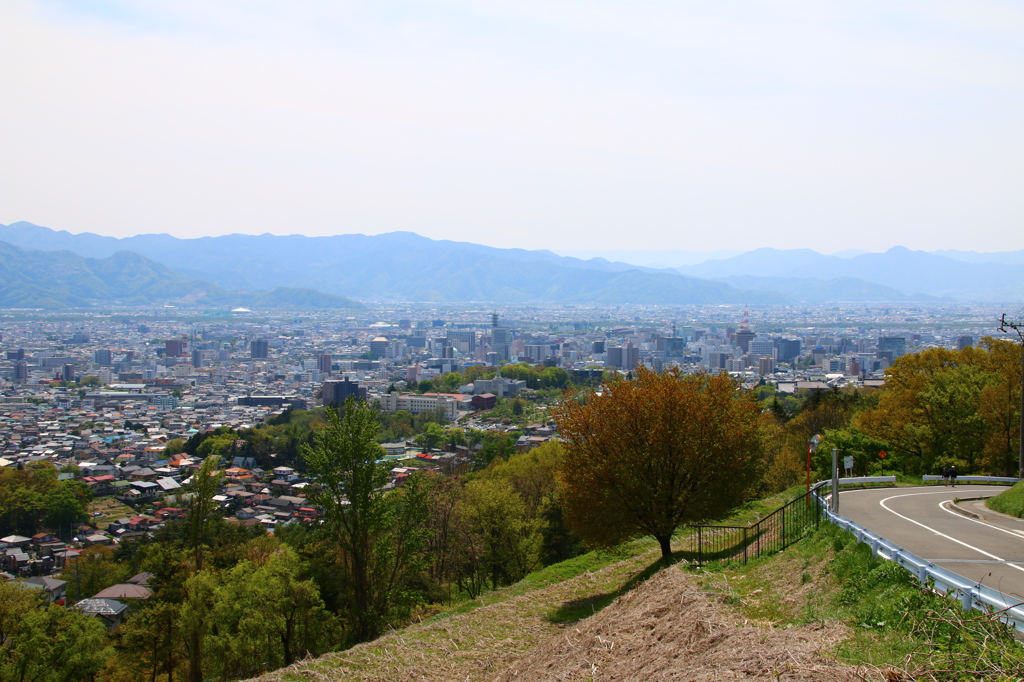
666,628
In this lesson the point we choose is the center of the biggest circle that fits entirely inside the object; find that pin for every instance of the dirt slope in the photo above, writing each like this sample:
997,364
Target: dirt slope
664,629
667,630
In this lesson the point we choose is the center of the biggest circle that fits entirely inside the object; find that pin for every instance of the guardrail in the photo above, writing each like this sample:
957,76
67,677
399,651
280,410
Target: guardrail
972,595
974,479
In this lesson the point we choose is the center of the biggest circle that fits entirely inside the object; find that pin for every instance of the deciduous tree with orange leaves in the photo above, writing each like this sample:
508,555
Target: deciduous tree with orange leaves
644,457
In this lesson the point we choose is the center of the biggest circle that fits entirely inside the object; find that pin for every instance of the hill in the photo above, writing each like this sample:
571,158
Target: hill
917,273
62,279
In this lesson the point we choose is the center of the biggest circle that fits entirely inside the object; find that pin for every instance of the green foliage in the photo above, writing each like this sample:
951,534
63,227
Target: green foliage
1009,501
943,407
47,642
379,536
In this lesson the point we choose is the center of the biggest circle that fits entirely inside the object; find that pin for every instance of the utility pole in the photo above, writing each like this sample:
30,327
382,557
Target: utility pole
1018,327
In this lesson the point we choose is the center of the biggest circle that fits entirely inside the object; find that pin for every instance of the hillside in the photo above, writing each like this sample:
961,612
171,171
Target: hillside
62,279
664,628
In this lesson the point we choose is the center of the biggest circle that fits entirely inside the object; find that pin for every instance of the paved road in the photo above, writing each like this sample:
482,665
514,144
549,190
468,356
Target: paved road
989,551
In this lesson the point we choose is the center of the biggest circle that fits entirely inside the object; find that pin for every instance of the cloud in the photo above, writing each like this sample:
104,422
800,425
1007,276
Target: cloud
520,124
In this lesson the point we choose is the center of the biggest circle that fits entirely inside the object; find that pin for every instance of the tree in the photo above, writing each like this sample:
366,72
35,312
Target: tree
46,642
505,541
200,514
66,504
379,535
431,437
646,456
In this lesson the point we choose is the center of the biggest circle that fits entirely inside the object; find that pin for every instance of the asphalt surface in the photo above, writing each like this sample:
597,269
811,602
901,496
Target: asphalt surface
989,550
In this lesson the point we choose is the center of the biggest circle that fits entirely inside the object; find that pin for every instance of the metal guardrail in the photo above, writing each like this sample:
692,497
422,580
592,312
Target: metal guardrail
972,595
974,479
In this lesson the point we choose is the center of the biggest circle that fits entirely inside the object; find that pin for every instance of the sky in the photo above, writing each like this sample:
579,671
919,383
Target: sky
571,125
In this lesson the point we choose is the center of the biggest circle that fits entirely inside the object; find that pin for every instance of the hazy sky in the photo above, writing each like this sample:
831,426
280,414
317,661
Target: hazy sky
536,124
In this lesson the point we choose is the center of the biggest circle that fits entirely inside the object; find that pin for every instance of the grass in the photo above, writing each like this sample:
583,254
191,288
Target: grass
894,622
1010,501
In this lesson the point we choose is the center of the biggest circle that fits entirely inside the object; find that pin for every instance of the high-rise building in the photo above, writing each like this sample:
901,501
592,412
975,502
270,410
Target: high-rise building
964,342
259,349
719,360
103,357
323,362
338,391
464,340
896,344
743,338
622,357
197,358
789,349
21,372
67,373
379,347
174,348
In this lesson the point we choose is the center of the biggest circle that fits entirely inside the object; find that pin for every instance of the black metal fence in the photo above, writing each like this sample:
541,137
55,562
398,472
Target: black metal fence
773,533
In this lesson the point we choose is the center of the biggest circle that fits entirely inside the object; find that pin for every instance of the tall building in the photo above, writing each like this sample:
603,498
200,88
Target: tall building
21,372
338,391
174,348
323,362
743,338
197,358
896,344
259,349
67,373
964,342
379,347
464,340
719,360
622,357
789,349
103,357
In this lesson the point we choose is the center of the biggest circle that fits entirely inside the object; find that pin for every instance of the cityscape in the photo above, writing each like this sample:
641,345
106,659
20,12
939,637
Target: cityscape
511,341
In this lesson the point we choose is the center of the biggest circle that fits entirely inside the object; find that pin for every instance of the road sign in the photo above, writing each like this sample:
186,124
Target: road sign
883,454
848,462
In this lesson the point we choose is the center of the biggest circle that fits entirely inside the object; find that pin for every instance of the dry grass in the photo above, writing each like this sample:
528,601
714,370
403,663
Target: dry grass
665,628
668,629
478,645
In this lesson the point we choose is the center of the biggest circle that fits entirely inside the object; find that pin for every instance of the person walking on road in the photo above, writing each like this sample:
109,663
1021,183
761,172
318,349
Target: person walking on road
952,475
945,476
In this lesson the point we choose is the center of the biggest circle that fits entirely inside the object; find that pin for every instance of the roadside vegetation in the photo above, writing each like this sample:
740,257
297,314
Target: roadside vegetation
1009,502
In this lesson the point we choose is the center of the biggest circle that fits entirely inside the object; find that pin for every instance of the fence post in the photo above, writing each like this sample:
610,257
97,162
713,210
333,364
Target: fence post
700,546
783,515
744,545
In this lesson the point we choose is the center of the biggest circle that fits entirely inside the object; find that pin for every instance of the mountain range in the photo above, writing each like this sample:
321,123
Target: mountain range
404,266
62,279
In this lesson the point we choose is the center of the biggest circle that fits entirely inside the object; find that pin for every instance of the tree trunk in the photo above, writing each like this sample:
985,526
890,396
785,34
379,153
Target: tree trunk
665,541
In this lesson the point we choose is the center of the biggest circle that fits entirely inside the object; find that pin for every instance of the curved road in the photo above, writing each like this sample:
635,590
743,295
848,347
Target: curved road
988,551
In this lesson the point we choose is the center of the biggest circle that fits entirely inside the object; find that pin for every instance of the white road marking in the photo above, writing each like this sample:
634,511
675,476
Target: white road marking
1014,533
943,535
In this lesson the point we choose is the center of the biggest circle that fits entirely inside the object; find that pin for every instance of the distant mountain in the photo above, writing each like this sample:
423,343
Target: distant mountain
815,290
913,272
1004,257
62,279
405,266
402,266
